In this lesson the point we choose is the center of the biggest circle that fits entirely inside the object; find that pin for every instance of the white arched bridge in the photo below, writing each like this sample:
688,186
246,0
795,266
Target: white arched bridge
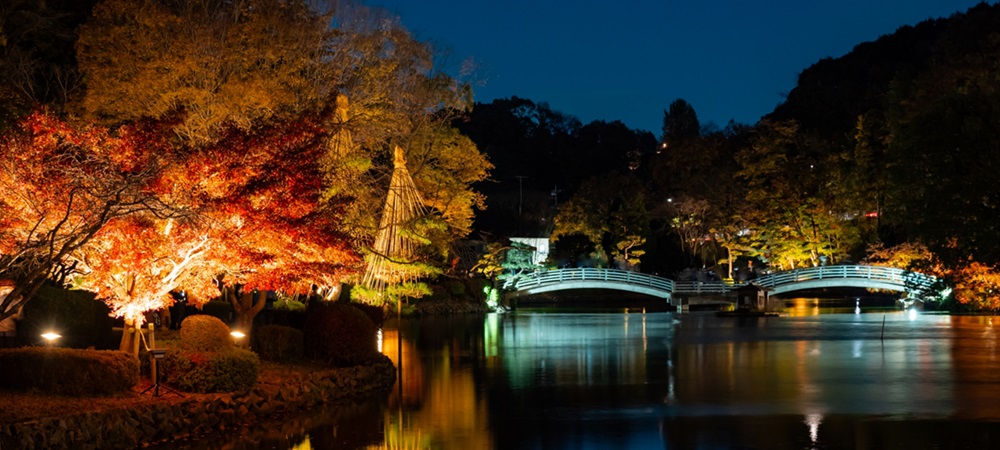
857,276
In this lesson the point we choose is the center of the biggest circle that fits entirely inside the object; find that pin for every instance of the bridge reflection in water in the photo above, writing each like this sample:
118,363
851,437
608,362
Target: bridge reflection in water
914,284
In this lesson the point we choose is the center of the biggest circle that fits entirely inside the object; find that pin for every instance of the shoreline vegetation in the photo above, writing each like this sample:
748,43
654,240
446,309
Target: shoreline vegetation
36,419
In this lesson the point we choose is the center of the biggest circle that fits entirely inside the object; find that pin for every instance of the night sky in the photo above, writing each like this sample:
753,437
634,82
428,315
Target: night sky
628,59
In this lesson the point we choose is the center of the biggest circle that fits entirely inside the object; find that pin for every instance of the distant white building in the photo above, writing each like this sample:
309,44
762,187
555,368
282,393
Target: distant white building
541,246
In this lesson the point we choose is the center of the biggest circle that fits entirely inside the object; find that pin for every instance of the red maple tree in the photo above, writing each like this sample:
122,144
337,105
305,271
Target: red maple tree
248,215
59,185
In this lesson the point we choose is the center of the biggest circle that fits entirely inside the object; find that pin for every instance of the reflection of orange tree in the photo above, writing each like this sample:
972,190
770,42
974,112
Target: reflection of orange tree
973,352
747,373
446,413
410,365
396,439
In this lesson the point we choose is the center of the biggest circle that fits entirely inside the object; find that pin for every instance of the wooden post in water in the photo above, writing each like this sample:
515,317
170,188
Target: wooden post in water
883,328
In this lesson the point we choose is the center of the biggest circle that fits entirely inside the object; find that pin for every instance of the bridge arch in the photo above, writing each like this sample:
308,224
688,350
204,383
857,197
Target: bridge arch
854,276
592,278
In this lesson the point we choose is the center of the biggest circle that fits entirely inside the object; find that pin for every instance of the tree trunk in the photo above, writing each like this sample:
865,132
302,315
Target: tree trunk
729,257
245,307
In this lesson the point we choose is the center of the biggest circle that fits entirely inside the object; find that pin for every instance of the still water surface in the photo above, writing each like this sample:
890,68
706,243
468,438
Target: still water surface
534,380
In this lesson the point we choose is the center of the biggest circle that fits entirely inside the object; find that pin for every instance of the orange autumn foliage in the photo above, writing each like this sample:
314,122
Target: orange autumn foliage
59,185
246,211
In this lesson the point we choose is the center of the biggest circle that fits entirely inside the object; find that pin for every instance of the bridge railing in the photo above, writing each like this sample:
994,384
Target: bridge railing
581,274
704,287
899,277
892,275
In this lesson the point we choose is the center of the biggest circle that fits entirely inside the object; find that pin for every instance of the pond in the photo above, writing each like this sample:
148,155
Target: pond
572,380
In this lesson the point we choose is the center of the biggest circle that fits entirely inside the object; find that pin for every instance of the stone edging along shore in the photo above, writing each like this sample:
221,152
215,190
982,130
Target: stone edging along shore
145,424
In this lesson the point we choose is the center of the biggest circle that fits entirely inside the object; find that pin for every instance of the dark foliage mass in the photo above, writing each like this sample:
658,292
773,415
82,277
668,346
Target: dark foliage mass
77,316
64,371
339,334
278,343
541,157
38,61
911,119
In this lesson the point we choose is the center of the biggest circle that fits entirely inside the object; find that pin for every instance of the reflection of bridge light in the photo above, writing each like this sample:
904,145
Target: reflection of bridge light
804,307
644,343
378,342
813,421
913,314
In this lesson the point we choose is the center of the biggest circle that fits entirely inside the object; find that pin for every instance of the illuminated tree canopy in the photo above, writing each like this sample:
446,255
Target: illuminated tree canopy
212,148
60,186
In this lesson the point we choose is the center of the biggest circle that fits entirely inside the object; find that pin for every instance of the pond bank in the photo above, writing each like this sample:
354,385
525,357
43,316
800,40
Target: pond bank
134,423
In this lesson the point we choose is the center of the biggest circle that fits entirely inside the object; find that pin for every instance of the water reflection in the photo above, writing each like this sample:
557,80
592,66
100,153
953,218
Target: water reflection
436,403
695,381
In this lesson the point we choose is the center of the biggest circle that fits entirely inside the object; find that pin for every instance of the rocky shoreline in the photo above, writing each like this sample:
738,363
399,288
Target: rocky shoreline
161,421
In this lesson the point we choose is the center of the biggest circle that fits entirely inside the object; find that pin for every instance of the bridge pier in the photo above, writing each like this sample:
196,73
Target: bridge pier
679,302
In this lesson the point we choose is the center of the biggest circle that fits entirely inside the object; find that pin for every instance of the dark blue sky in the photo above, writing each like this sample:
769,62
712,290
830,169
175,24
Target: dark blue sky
628,59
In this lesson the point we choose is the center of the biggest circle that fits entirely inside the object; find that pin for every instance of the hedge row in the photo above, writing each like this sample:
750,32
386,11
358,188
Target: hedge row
66,371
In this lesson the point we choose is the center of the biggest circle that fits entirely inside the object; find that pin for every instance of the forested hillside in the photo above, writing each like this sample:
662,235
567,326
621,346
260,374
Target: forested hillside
887,154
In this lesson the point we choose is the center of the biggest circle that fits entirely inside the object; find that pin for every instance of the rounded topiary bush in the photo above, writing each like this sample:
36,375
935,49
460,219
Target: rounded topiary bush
228,370
278,343
205,333
65,371
340,334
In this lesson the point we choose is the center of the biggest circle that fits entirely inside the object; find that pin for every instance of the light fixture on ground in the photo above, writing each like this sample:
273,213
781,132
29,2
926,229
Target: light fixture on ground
239,338
51,337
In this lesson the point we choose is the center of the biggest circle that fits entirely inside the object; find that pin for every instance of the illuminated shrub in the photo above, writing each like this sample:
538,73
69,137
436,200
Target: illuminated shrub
228,370
339,334
205,333
65,371
208,360
289,305
278,343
